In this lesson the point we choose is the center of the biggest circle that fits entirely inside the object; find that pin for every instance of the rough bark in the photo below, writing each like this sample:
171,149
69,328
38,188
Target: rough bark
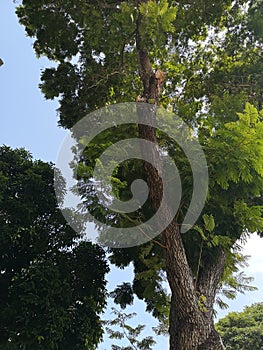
191,325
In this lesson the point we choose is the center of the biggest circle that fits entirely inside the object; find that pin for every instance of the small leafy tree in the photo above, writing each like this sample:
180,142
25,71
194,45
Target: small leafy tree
127,332
243,330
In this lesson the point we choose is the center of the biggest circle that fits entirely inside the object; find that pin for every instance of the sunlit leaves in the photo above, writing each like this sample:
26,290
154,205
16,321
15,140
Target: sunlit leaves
158,16
238,149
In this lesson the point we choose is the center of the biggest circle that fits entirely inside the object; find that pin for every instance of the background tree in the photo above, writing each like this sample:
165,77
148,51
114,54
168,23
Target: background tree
211,52
52,287
243,330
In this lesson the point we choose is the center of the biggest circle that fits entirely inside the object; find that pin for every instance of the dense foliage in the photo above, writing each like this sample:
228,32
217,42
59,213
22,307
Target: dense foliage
243,330
52,289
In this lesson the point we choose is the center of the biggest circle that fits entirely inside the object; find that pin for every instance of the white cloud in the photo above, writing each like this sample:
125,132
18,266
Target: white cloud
254,248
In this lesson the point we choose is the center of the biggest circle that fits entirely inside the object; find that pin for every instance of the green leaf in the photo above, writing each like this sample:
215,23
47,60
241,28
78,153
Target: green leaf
209,222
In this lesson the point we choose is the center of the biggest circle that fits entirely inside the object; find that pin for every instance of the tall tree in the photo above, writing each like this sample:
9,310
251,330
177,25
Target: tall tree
200,59
52,289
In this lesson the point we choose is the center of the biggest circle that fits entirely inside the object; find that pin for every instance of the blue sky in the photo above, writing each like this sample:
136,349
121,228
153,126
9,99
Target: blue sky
29,121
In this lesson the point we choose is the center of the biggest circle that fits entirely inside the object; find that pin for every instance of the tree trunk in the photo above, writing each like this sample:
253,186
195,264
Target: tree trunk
191,324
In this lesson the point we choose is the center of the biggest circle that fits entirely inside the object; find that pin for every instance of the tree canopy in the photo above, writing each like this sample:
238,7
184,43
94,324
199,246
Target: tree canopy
52,287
